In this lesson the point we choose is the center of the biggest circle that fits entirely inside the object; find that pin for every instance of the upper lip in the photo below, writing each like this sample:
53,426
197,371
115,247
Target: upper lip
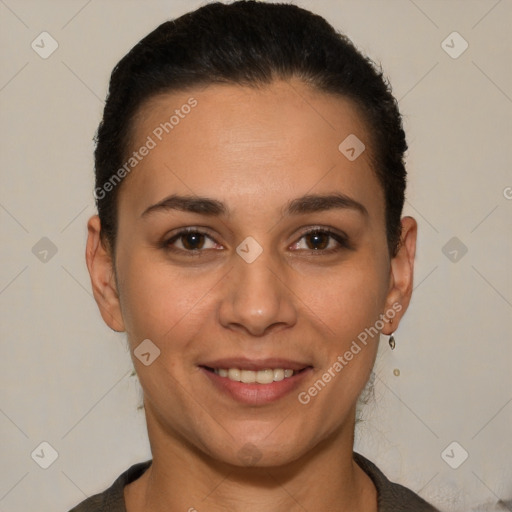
243,363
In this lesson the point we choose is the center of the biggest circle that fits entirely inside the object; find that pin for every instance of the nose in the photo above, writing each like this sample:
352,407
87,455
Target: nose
257,298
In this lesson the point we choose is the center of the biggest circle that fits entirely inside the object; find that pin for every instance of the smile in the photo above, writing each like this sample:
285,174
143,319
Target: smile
259,385
260,377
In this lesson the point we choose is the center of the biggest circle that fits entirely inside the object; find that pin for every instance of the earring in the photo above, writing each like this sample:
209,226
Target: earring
392,343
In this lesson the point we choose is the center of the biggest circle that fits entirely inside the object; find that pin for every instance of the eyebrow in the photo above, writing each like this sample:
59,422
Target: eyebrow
309,203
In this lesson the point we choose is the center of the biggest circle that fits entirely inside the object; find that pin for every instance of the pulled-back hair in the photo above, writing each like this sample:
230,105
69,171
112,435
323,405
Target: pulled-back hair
250,43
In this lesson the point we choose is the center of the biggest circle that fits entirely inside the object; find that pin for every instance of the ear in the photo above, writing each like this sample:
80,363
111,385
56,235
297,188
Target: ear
401,274
101,270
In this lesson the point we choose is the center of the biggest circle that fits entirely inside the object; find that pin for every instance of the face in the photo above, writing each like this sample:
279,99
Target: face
275,260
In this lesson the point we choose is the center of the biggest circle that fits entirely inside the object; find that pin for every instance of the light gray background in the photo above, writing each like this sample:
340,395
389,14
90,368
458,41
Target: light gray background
65,377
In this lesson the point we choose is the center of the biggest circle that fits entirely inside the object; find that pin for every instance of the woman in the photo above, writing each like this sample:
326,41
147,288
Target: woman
250,184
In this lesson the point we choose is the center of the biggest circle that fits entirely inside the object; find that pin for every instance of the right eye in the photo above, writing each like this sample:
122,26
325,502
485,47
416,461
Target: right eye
192,240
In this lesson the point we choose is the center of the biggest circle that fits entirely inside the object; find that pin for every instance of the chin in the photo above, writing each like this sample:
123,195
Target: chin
250,455
259,451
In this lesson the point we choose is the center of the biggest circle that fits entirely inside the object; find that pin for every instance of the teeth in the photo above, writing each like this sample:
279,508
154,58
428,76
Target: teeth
278,374
234,374
249,377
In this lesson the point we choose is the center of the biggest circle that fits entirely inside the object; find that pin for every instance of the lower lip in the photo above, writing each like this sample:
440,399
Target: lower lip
257,394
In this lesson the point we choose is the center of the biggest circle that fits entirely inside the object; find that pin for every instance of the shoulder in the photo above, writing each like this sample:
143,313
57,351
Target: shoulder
392,497
112,499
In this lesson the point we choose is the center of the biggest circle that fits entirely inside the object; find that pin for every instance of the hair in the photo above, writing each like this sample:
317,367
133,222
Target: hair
249,43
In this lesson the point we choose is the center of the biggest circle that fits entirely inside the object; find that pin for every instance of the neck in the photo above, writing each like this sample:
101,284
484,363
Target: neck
183,478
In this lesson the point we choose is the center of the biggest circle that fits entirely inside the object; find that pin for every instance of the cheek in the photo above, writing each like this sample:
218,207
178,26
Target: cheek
159,301
349,304
347,299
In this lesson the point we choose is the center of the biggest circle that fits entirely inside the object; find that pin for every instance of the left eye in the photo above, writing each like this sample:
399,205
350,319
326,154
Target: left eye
321,240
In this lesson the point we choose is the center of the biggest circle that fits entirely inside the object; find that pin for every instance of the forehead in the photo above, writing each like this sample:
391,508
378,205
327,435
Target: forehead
252,144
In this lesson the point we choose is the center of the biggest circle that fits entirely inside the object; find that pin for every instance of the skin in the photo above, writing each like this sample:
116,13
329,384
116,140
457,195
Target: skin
255,150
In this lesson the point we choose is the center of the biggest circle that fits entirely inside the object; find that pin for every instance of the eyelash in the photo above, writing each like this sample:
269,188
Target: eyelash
340,239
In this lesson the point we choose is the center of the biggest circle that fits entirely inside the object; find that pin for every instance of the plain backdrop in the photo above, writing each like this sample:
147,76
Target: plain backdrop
65,377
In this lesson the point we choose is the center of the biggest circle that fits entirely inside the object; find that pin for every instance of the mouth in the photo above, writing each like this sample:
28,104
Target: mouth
255,383
265,376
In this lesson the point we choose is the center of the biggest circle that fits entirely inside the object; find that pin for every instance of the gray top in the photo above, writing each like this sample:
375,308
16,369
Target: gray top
391,497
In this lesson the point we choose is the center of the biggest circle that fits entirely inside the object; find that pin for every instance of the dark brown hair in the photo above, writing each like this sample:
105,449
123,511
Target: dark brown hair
249,43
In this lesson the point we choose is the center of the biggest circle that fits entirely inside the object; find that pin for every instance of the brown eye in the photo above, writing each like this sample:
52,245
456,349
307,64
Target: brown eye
322,241
317,240
189,241
192,240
